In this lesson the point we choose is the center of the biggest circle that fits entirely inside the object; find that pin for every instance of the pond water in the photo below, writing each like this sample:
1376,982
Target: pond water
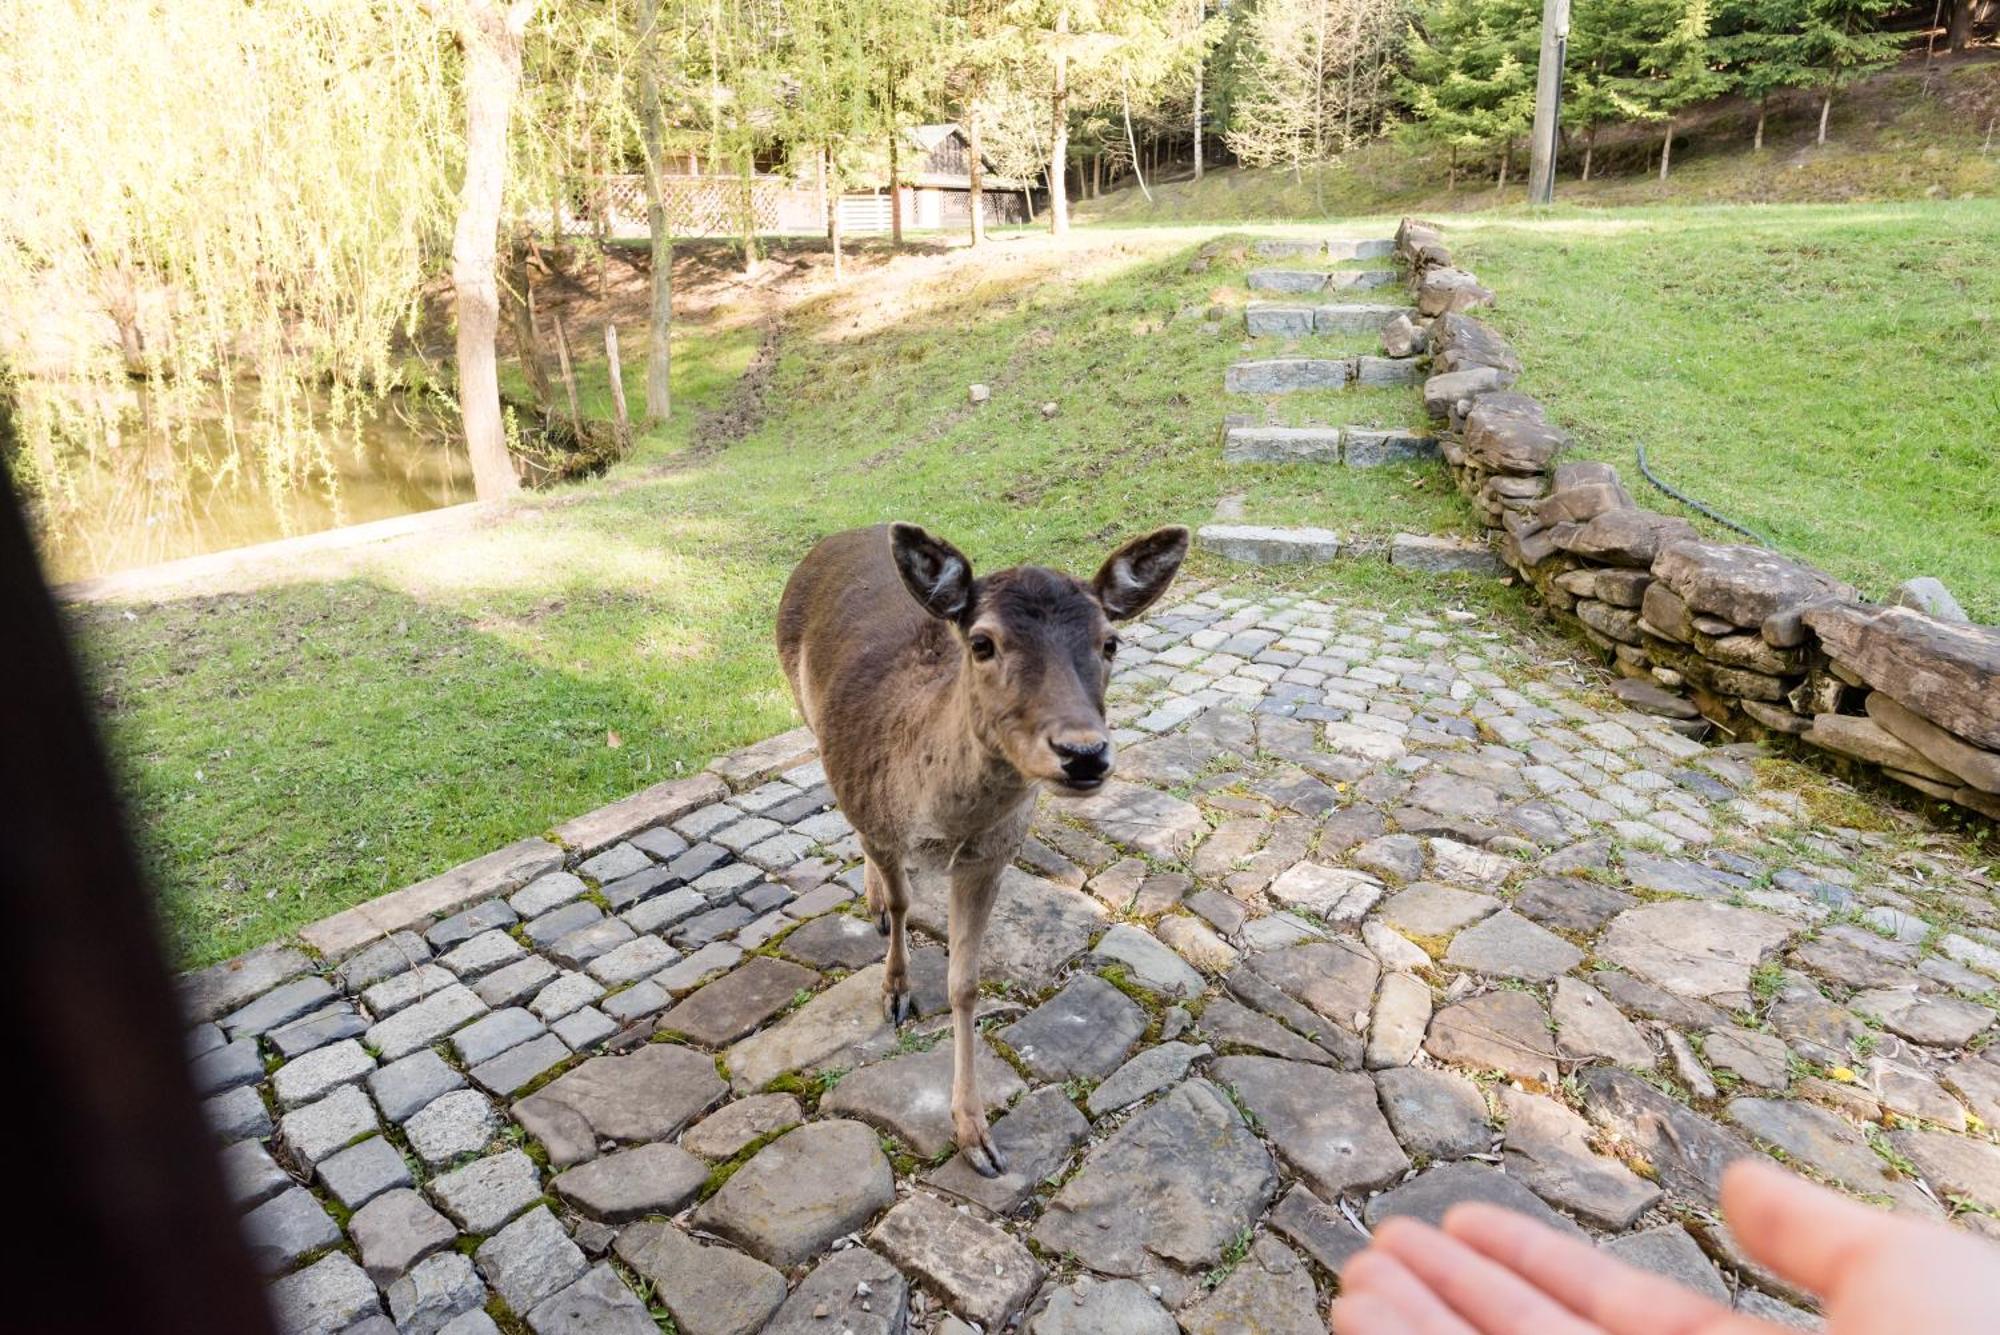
144,498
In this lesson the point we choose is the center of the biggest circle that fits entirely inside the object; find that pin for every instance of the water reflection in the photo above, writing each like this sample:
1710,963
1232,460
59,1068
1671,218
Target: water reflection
144,496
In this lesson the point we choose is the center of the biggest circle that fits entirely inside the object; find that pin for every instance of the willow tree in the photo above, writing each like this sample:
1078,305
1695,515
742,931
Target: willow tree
248,260
829,110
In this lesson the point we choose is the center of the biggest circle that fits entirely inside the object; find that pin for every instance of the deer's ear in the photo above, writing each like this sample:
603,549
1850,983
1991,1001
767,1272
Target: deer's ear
936,573
1132,577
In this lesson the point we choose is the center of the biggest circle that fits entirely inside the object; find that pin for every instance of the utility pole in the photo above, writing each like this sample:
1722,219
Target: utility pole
1548,102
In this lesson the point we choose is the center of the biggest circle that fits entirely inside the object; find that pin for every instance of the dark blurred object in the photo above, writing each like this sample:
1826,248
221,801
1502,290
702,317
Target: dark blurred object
117,1211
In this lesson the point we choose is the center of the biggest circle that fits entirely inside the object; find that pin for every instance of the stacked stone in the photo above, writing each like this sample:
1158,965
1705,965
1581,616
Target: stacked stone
1724,632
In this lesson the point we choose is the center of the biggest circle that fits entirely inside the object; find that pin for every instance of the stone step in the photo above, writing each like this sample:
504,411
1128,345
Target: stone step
1295,320
1332,248
1358,446
1281,445
1317,280
1255,545
1417,551
1284,375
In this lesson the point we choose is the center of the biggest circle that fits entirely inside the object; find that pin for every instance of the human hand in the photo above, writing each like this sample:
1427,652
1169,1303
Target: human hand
1494,1272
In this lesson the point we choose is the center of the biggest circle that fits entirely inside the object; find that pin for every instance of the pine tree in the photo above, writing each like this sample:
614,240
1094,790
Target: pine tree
1471,79
1678,68
1840,41
1760,45
1606,40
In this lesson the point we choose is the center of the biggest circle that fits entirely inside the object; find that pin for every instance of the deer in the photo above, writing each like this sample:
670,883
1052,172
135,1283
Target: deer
943,704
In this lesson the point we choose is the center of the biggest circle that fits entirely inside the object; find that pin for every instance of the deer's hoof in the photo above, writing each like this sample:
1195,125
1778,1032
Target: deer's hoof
882,923
899,1007
986,1158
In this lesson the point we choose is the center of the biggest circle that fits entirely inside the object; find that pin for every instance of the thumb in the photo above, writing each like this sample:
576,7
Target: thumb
1806,1233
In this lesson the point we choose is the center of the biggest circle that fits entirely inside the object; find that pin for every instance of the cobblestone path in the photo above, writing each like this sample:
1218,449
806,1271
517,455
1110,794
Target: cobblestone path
1381,914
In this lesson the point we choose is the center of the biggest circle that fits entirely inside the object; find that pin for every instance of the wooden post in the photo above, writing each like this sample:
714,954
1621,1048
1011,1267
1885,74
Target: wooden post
617,373
1548,103
568,376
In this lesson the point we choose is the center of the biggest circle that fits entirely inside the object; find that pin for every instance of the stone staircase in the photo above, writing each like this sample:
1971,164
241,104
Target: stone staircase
1248,443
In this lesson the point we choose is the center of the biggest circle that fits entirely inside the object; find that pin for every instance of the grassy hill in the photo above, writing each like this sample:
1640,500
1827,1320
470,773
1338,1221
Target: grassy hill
1905,134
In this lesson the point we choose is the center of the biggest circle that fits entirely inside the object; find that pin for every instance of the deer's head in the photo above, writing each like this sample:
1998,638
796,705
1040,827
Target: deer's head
1038,646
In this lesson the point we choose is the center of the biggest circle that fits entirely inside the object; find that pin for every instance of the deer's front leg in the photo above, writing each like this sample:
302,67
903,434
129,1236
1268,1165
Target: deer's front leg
889,896
972,893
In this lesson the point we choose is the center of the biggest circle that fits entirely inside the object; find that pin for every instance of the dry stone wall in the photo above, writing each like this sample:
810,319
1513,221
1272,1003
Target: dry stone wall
1730,634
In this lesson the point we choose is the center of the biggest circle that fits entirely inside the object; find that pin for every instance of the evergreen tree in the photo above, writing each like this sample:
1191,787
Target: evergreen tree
1606,40
1759,43
1840,41
1470,83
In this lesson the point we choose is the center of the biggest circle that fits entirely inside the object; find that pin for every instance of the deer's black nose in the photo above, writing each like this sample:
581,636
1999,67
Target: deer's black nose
1084,762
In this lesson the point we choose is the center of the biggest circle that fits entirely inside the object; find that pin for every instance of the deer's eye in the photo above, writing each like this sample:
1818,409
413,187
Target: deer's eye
982,646
1111,647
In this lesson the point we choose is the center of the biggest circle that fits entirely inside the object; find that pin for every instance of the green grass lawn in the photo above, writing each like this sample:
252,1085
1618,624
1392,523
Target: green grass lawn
291,751
1828,376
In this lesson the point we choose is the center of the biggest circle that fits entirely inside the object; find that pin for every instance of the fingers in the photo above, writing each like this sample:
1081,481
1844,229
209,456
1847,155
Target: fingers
1806,1233
1379,1296
1493,1298
1619,1298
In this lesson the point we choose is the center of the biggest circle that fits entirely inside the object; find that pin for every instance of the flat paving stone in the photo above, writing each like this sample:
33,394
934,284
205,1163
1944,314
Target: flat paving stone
395,1231
982,1272
638,958
1688,1151
288,1228
319,1073
316,1031
465,925
1430,910
1334,979
493,1034
836,941
1270,1292
1036,929
1668,1251
1402,1015
801,1192
1499,1031
1334,894
1147,1073
1082,1032
281,1005
1507,945
1571,903
331,1295
435,1291
1548,1149
577,949
520,1066
740,1001
1148,963
406,989
620,1187
1325,1124
227,1067
1924,1017
1202,1173
1828,1145
452,1126
481,955
852,1292
730,1129
1036,1138
484,1194
360,1173
548,892
597,1304
1436,1114
1589,1027
317,1130
1756,1058
1955,1166
1316,1228
1696,948
910,1096
707,1290
1233,1025
404,1088
646,1095
548,928
530,1259
1143,818
1430,1193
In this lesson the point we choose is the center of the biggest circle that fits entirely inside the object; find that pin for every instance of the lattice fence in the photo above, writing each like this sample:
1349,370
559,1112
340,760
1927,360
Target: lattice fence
696,206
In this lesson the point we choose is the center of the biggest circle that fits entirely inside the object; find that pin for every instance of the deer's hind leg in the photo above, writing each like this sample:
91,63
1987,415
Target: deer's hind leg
973,888
889,899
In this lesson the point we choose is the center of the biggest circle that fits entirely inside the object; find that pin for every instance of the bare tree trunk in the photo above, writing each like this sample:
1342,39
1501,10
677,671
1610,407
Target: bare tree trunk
1451,180
833,216
976,172
1667,148
1506,151
1825,112
660,312
1059,129
895,184
1198,70
1961,25
1763,110
1589,147
568,376
518,301
490,38
616,370
1028,200
749,169
1125,97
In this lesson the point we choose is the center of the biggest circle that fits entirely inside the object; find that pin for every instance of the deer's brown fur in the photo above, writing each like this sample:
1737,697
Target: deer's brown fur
942,703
